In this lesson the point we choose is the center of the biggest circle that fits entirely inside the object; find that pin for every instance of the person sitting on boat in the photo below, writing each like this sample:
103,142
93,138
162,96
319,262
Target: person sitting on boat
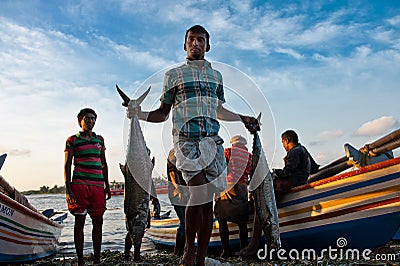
178,194
89,188
232,204
299,164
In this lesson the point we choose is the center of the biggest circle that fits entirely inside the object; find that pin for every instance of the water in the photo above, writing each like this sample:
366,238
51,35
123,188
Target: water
114,229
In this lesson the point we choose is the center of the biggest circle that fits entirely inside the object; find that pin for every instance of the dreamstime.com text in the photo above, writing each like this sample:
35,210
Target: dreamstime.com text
338,253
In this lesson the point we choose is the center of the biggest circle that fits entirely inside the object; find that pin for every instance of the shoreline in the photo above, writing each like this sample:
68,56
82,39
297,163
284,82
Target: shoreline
166,257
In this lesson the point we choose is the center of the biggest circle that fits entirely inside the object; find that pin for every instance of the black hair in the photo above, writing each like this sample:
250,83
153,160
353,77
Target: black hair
85,111
290,136
198,29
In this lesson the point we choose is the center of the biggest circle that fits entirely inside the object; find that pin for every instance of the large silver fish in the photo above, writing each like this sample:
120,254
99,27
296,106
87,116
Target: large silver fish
137,172
261,185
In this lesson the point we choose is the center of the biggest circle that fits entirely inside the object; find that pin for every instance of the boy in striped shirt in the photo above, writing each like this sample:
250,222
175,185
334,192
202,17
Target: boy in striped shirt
88,188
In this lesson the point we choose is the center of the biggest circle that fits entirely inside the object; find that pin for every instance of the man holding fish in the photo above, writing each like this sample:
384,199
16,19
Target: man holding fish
194,91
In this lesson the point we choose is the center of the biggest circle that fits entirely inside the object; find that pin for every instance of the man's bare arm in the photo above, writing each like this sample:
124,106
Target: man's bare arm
250,123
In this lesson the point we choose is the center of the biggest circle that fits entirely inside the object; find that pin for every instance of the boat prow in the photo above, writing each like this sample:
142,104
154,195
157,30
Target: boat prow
25,234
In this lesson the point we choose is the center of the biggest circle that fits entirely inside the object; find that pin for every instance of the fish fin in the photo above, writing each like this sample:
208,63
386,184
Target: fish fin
139,100
259,118
124,97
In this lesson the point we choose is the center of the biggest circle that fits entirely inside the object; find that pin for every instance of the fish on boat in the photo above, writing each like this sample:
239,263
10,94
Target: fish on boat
357,209
25,233
138,182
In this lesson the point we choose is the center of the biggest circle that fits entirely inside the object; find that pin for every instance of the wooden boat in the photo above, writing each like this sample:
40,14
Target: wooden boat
25,233
359,208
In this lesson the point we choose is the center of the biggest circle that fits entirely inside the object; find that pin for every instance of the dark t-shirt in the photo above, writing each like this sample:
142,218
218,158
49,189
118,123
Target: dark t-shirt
298,166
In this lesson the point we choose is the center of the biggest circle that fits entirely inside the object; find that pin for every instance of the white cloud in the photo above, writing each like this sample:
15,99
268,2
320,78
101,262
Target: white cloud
394,21
290,52
16,152
326,136
329,135
377,126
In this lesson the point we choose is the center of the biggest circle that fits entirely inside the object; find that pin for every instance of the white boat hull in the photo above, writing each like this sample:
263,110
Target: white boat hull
25,235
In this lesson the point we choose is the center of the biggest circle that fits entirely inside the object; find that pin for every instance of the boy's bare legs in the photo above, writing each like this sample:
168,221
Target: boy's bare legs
97,234
79,237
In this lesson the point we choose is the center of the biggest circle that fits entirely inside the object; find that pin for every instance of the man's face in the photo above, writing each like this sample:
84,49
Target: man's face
88,121
285,144
196,45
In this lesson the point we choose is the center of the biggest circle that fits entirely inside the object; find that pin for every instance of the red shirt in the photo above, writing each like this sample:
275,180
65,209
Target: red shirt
238,160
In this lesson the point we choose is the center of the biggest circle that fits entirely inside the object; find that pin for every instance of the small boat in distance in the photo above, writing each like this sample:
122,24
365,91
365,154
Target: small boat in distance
162,189
25,233
117,188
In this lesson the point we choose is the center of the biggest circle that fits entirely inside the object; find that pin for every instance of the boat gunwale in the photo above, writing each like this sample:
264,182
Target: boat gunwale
362,170
26,211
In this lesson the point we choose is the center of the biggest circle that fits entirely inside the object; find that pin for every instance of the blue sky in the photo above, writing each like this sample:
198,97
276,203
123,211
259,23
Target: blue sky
328,69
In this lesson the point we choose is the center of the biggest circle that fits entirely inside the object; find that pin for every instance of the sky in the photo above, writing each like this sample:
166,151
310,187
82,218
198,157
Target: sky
330,70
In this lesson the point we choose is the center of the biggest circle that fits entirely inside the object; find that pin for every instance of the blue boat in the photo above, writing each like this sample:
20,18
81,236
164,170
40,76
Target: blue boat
397,235
359,209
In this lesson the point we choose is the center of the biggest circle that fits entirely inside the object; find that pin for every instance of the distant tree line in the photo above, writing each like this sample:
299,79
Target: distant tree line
158,181
46,190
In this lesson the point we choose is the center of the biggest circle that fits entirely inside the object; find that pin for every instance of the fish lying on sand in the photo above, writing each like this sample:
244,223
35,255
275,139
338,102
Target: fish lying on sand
137,173
261,185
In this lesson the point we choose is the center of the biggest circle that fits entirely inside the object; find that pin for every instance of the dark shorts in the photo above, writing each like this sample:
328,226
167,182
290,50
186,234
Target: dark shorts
89,197
233,205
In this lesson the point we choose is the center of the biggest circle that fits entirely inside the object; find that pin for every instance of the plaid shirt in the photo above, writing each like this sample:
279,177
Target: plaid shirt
195,93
